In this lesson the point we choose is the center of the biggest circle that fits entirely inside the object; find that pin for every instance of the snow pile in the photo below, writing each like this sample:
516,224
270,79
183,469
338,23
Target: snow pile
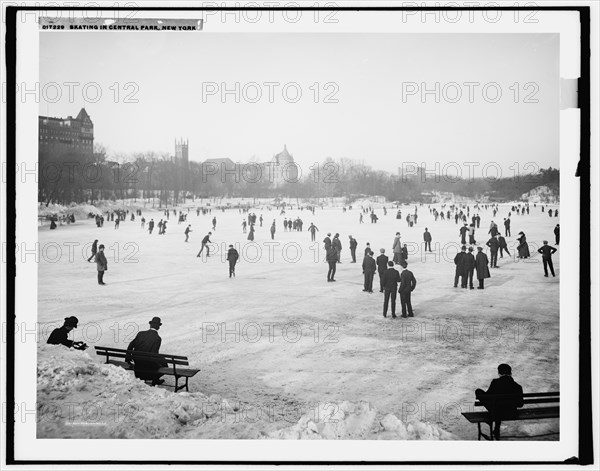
351,421
81,398
78,397
541,194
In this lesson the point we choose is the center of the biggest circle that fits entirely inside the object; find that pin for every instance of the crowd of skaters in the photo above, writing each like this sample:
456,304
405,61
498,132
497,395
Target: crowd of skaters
471,262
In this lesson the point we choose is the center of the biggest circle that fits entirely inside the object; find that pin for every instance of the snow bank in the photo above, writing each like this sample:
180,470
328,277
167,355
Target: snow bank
79,397
351,421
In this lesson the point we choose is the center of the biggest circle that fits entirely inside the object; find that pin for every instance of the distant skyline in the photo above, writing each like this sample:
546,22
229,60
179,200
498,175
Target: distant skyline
375,118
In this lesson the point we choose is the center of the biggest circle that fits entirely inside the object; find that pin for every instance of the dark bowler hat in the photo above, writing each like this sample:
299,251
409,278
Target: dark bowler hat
470,249
71,321
101,246
155,321
504,369
404,264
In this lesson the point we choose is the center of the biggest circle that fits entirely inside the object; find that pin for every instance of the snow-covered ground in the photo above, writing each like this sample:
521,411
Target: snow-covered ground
278,342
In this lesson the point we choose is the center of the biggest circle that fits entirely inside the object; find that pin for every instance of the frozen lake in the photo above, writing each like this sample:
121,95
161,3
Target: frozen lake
278,333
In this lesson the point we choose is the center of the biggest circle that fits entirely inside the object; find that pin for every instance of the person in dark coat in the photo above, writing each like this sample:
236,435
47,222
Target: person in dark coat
251,233
481,265
408,283
557,234
459,262
187,232
427,240
369,268
232,257
503,246
273,229
494,245
205,243
469,264
507,227
391,278
331,258
463,234
368,249
503,406
547,251
382,263
523,247
147,341
94,250
397,249
151,226
353,245
101,264
327,241
313,230
337,243
60,336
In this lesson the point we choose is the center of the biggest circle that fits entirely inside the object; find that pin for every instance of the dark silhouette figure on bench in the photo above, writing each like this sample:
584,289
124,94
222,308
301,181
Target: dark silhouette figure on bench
147,341
501,407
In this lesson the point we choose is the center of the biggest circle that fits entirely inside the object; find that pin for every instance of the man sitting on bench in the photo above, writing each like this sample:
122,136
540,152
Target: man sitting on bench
147,341
501,407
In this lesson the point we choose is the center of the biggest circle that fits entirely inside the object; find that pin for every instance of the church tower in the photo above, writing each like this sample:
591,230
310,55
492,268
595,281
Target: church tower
181,152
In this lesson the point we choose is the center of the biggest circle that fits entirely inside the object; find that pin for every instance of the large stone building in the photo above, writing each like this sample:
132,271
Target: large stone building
66,136
282,168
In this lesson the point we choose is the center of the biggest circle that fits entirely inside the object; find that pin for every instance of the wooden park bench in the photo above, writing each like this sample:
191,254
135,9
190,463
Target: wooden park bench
528,413
173,368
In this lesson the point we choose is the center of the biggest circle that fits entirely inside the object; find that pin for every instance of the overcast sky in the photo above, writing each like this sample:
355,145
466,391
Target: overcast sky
371,118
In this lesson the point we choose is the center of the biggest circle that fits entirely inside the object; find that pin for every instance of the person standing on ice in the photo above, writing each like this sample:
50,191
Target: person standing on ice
353,245
187,232
251,233
338,246
94,250
313,230
143,222
463,234
273,229
205,243
481,265
147,341
547,251
232,258
331,257
382,263
369,267
397,249
391,278
151,226
557,234
214,223
244,226
327,241
101,264
427,240
408,283
117,221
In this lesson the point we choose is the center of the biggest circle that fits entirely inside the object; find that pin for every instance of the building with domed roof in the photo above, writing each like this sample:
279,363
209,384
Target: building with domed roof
283,169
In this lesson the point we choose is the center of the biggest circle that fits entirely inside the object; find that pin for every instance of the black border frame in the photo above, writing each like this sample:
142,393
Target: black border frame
582,171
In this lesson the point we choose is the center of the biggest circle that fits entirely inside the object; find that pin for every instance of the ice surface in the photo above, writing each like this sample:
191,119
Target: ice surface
278,341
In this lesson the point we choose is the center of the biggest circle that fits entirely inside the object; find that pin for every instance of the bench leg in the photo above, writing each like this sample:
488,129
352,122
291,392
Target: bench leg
176,381
186,384
478,431
491,431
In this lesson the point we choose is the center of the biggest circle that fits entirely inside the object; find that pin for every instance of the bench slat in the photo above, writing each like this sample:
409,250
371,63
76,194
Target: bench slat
110,350
521,414
543,400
